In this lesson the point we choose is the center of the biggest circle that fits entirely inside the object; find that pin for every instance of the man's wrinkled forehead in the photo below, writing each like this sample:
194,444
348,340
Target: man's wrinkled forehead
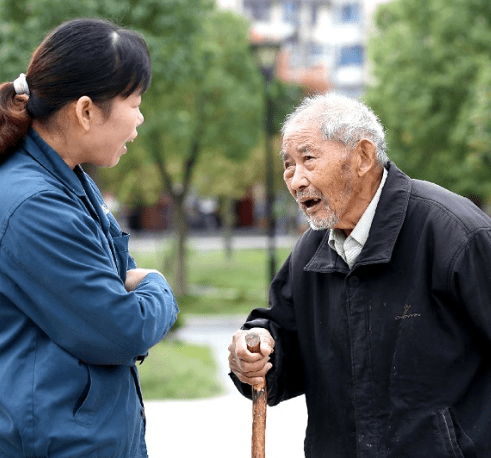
300,136
299,144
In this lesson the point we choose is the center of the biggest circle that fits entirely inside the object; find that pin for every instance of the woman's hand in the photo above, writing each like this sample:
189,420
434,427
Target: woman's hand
135,276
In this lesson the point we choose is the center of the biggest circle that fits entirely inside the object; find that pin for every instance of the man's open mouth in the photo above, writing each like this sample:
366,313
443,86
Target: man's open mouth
309,203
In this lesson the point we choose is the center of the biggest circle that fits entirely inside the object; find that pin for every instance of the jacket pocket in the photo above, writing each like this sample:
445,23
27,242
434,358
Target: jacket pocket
88,401
455,441
136,378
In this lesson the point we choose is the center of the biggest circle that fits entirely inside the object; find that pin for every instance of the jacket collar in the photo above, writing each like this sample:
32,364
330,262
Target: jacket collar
387,223
35,146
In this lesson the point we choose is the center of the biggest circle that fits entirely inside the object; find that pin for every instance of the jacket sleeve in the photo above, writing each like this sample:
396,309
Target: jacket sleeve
468,280
285,380
62,278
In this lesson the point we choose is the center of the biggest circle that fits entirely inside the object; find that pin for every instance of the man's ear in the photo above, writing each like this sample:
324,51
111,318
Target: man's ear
366,156
85,112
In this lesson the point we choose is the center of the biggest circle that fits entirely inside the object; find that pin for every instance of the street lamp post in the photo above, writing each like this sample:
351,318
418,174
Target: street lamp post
265,53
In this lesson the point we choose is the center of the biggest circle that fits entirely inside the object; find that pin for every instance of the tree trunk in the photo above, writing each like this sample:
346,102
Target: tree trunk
181,231
179,196
228,223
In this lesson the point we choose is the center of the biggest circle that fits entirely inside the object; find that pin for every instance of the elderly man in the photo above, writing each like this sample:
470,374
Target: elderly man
381,315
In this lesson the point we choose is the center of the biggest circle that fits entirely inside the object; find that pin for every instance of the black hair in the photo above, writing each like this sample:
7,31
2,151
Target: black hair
81,57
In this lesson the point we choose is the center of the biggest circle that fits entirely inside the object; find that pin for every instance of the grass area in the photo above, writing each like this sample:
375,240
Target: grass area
175,370
218,285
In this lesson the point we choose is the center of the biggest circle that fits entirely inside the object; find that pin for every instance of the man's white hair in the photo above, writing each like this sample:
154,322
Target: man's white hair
341,119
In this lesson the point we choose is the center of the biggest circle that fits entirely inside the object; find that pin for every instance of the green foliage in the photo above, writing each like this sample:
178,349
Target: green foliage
175,370
223,176
430,64
168,27
205,88
208,113
285,97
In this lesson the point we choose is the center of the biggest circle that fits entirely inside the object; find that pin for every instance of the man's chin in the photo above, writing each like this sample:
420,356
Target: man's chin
320,224
316,227
321,219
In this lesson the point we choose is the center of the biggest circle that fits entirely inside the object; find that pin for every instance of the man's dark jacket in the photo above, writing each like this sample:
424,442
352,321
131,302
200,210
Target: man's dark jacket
393,355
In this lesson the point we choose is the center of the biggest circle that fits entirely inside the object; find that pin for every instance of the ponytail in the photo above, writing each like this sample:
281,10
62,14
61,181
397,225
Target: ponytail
14,119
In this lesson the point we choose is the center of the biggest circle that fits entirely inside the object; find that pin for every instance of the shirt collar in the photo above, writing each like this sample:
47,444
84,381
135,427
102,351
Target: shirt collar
360,233
362,229
51,161
386,227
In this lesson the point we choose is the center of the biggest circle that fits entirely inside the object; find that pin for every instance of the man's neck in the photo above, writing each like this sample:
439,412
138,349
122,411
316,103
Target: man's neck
364,196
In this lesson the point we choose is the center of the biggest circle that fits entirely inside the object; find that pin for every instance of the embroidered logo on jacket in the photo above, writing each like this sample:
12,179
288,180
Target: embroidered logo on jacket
405,313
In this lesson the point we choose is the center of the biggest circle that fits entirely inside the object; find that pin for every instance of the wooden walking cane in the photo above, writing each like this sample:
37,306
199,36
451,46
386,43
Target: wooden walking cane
259,403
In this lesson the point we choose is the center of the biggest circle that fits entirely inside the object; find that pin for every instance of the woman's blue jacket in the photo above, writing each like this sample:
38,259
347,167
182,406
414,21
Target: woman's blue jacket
70,334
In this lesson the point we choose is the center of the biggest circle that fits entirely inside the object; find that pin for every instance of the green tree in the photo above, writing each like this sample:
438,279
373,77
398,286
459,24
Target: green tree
204,101
230,180
431,66
208,118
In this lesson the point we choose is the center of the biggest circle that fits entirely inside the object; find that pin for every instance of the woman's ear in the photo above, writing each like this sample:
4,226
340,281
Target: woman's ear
85,112
366,156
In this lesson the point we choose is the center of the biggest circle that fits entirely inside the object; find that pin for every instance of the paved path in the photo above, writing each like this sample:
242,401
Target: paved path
152,242
220,427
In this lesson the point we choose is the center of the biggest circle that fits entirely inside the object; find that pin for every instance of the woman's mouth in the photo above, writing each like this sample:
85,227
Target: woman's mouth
125,148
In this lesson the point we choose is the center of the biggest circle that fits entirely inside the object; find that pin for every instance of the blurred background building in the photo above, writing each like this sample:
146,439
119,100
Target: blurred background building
323,41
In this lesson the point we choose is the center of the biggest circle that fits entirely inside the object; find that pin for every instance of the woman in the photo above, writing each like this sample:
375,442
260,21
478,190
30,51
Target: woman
75,312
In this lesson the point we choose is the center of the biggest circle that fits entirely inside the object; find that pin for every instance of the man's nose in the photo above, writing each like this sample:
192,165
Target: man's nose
299,181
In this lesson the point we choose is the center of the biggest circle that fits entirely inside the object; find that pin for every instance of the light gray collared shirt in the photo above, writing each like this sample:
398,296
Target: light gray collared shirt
350,247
